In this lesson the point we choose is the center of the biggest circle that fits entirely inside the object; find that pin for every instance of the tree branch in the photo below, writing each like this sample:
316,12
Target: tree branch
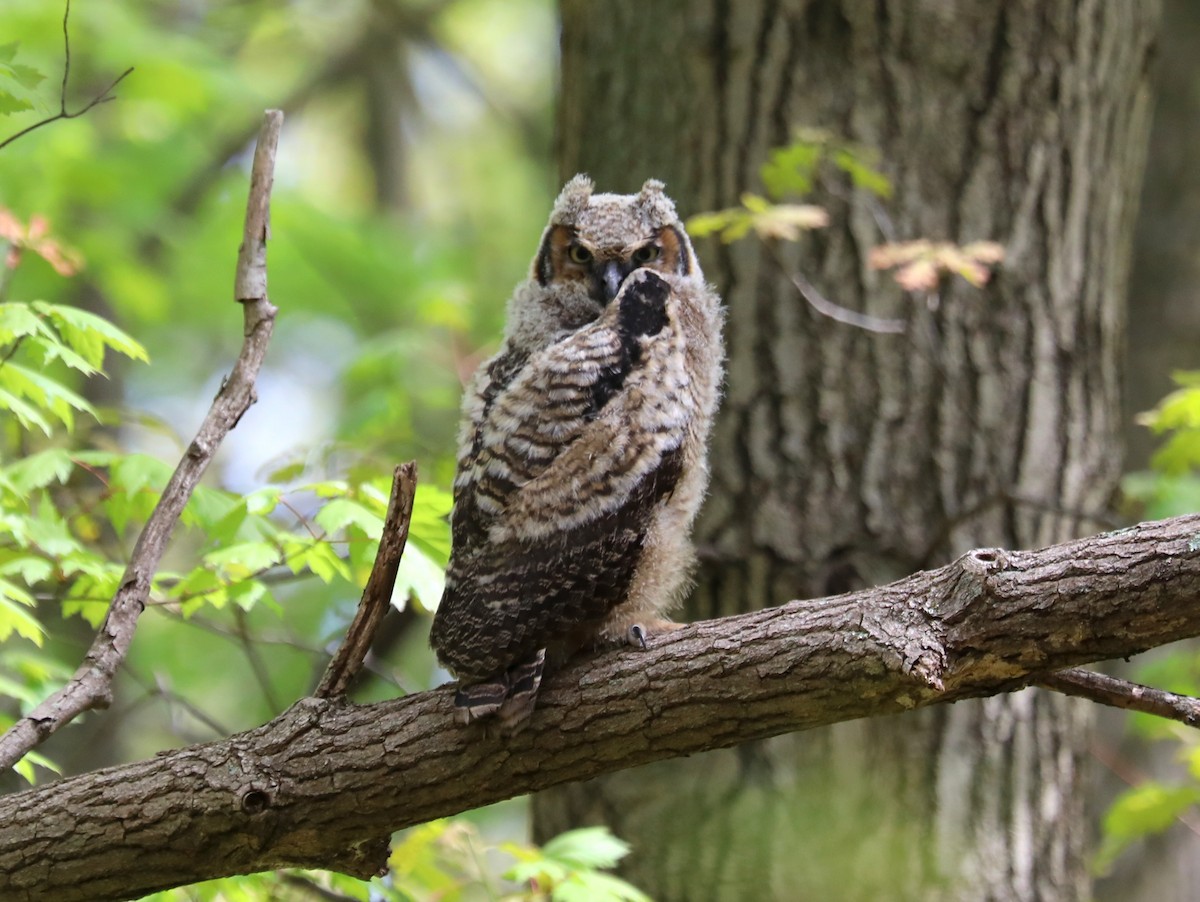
91,686
377,594
1117,693
315,786
103,97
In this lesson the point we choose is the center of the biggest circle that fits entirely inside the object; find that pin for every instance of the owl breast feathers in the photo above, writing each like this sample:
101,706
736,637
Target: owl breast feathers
581,459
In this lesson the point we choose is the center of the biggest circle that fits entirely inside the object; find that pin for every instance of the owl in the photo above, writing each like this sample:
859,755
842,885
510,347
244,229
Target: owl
582,455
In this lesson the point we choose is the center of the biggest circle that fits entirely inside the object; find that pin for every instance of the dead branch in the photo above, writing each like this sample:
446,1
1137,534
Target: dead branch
91,686
377,594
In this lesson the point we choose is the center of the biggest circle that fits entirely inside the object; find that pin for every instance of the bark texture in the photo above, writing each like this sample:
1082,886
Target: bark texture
844,458
324,784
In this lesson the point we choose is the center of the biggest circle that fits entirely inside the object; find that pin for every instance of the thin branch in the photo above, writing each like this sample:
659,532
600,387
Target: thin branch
103,97
91,686
833,311
377,594
1117,693
255,659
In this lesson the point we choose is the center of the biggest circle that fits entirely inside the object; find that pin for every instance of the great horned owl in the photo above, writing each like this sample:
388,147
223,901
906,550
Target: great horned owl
581,457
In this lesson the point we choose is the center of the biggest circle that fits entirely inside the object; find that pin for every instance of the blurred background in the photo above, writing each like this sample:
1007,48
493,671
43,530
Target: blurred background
414,176
411,187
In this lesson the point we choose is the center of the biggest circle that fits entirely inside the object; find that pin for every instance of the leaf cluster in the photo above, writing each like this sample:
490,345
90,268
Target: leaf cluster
450,861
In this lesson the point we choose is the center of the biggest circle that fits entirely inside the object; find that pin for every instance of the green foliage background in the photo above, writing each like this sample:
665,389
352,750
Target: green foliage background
411,186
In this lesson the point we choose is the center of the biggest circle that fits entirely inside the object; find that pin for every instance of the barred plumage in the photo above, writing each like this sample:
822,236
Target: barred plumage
581,458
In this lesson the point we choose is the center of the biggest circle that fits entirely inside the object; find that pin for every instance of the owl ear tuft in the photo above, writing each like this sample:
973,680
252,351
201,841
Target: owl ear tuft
650,188
572,200
658,208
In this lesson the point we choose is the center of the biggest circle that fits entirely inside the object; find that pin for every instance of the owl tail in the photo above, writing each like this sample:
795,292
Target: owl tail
510,697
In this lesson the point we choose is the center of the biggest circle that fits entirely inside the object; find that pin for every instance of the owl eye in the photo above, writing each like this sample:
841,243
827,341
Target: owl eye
646,254
579,254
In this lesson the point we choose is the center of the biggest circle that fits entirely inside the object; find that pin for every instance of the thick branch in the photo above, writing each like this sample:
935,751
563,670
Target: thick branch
91,686
314,786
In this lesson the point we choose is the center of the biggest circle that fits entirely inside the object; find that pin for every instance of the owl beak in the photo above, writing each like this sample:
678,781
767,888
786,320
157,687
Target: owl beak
611,277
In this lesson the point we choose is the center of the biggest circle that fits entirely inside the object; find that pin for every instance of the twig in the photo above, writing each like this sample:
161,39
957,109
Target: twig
255,659
103,97
1108,690
377,593
91,686
833,311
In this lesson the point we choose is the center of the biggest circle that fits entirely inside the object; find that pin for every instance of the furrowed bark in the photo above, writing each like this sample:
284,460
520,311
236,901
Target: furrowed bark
842,457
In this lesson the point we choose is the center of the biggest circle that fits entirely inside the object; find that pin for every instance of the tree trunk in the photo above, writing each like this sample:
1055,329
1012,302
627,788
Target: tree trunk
846,458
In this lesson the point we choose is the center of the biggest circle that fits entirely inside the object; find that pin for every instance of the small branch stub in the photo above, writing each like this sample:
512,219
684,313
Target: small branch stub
251,280
377,594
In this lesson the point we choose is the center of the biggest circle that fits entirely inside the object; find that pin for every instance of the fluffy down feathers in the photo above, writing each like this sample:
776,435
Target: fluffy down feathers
581,459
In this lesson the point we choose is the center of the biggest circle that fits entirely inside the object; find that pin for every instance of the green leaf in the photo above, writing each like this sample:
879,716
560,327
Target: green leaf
89,335
26,695
791,170
25,766
703,224
17,320
430,525
40,469
323,561
17,82
342,512
587,847
857,163
48,531
418,578
49,395
248,593
209,507
31,570
26,76
90,594
27,415
243,559
287,473
546,873
596,887
1148,808
139,472
14,618
262,501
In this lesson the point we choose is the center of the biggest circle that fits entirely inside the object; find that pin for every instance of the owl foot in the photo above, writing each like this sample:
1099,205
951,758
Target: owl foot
510,698
637,633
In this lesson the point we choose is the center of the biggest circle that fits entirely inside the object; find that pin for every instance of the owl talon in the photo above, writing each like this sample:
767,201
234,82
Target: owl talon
637,635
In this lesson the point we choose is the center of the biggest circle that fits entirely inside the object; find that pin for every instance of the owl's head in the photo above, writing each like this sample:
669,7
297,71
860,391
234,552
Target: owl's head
594,241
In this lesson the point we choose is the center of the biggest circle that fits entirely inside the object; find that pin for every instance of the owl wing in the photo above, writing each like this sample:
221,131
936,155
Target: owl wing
559,482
